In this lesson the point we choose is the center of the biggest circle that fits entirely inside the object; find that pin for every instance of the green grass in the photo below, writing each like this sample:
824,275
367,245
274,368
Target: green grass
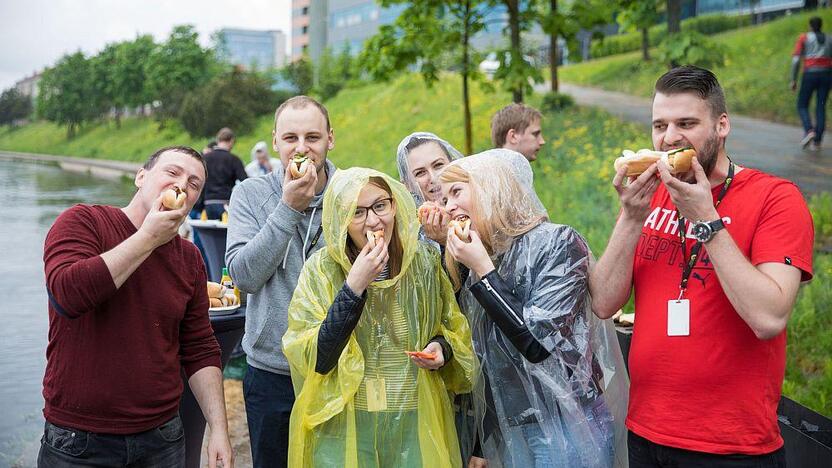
572,176
755,76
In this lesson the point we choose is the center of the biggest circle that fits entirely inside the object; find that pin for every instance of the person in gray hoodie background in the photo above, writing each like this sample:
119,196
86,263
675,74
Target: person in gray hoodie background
274,226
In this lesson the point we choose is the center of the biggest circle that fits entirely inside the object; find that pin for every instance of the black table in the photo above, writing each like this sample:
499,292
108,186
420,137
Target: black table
228,329
212,234
807,435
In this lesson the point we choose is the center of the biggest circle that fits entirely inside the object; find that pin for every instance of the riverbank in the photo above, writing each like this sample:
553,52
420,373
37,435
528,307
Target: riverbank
97,167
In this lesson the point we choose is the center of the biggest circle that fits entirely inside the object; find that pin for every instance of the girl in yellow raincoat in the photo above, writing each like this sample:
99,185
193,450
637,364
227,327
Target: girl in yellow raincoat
361,304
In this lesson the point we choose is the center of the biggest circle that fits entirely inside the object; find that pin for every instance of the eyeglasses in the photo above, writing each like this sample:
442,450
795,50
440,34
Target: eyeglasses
380,208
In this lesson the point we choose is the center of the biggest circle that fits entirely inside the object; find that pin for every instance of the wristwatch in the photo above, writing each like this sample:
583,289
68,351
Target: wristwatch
703,231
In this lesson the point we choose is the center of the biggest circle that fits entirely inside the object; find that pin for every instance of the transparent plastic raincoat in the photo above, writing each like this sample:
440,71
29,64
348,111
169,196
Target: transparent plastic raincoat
404,168
569,408
339,418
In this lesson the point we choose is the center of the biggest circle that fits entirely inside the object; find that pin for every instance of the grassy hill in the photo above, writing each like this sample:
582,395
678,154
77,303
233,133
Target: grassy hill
755,75
572,176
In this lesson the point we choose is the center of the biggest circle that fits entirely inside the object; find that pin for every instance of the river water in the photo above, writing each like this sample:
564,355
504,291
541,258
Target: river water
33,196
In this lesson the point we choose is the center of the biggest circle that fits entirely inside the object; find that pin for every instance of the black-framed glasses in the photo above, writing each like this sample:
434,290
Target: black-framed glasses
380,208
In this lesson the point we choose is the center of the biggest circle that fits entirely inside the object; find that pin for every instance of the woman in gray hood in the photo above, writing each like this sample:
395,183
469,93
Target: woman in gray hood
420,158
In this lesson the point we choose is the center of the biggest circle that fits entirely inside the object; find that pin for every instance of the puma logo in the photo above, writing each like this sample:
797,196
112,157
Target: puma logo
701,279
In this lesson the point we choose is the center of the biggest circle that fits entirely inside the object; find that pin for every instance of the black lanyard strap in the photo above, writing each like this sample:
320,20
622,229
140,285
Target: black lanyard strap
694,251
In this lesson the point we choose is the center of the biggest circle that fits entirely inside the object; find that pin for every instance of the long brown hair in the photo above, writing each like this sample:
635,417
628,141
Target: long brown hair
394,248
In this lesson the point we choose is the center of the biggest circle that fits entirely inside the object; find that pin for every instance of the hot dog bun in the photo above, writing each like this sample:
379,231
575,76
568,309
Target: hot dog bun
374,236
174,198
638,162
216,290
298,166
426,209
215,302
461,228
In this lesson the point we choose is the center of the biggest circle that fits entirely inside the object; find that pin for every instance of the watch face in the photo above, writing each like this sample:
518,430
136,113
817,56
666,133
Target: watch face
702,232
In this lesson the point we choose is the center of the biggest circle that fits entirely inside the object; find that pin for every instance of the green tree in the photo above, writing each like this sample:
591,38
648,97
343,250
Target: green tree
515,71
640,15
565,20
300,74
234,99
334,72
102,67
129,73
177,66
674,17
14,106
426,36
66,93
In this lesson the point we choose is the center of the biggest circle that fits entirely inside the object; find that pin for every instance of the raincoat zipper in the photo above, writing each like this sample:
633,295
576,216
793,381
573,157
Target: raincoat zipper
502,301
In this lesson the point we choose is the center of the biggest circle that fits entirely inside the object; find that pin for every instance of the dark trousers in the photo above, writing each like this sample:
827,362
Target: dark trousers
817,83
269,398
64,447
214,211
644,454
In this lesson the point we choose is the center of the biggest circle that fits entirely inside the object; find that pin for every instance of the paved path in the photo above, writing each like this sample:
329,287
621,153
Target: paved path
768,146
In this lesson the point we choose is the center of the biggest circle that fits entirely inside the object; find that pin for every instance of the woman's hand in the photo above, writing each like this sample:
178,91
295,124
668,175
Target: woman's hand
477,462
471,254
430,364
367,267
436,225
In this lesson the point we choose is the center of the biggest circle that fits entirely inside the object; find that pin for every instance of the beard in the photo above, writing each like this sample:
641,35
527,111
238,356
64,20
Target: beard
707,156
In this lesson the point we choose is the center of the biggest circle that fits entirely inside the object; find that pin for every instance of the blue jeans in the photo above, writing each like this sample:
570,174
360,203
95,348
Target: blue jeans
814,82
269,398
529,446
63,447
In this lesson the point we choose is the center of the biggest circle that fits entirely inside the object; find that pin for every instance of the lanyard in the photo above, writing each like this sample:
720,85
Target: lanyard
694,251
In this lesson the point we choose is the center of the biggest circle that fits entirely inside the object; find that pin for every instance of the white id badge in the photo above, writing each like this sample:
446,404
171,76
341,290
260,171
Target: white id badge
678,317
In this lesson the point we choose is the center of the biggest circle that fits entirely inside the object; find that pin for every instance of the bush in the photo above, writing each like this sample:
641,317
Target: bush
232,100
691,48
629,42
556,101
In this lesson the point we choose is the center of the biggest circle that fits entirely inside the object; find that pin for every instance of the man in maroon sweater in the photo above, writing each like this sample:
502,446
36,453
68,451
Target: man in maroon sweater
127,312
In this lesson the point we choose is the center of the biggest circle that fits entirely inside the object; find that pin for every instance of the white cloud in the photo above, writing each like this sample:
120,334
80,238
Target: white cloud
36,33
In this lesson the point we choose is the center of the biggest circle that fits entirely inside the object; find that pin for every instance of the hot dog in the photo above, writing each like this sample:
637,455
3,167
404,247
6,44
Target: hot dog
426,209
421,354
461,227
174,198
374,236
679,160
298,166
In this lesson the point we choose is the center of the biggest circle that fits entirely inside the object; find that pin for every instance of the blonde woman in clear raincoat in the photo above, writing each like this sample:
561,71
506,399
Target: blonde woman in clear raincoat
360,305
552,390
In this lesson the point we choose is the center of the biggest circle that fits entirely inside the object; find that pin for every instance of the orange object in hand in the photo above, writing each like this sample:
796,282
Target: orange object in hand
421,354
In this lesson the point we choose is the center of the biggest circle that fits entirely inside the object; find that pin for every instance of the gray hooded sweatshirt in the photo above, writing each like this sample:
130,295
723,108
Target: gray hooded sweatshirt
268,243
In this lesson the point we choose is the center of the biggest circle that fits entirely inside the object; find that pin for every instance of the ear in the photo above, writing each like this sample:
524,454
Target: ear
723,126
331,138
511,136
138,181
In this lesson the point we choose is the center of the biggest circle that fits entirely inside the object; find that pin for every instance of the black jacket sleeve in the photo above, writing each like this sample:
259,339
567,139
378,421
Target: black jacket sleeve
335,330
506,310
447,350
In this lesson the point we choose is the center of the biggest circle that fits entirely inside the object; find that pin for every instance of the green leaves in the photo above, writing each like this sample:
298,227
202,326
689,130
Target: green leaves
691,48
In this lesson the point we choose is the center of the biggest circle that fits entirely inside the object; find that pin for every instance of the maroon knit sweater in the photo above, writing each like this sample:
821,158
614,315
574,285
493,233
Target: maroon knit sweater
115,356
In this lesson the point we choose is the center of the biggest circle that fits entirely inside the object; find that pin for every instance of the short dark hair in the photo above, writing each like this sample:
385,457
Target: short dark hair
211,144
299,102
815,23
417,142
151,161
512,116
225,134
694,80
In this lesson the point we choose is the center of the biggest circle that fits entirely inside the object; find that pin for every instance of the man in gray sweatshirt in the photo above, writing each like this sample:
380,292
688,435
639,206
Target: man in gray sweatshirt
274,226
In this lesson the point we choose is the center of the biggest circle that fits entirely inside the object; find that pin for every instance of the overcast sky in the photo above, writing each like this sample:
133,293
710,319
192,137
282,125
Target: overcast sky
36,33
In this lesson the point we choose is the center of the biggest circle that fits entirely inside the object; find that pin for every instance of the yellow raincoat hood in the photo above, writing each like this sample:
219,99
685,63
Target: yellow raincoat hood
335,419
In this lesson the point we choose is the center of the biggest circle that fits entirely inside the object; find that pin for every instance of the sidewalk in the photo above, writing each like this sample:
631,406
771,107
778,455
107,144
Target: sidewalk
768,146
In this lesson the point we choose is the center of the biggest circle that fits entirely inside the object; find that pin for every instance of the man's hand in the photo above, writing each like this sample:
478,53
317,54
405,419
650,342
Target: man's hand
298,193
471,254
430,364
367,266
161,225
636,194
793,85
436,226
694,201
219,451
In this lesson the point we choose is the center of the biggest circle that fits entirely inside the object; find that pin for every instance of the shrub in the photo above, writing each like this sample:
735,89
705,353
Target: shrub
691,48
556,101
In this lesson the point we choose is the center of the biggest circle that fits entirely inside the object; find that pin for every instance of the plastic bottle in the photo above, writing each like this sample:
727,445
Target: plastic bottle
229,283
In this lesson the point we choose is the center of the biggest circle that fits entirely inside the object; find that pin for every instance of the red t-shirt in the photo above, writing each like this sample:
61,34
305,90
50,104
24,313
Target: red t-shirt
716,390
115,356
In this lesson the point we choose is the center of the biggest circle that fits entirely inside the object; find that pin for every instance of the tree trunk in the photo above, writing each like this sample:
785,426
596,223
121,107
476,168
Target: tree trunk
674,16
553,50
645,44
466,100
513,7
118,118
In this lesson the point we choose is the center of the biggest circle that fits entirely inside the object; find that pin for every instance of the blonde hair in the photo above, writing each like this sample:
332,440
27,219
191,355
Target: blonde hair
500,211
395,247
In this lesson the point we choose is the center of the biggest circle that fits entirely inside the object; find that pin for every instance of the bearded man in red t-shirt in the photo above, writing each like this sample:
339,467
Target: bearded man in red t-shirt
714,258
